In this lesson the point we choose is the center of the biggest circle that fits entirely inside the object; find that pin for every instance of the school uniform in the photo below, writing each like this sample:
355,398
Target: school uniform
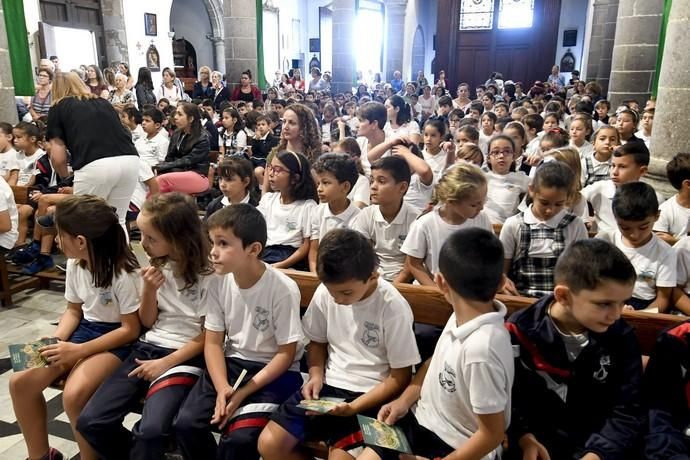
428,233
233,141
387,238
667,395
7,204
483,143
437,163
503,196
682,249
673,218
287,225
361,191
534,246
323,220
419,194
471,372
47,179
101,307
575,393
256,321
140,191
365,341
9,162
153,150
593,170
600,196
261,148
222,201
27,164
586,149
655,265
180,313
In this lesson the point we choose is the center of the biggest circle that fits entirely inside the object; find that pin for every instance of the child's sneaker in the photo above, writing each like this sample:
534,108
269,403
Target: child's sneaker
27,254
53,454
42,262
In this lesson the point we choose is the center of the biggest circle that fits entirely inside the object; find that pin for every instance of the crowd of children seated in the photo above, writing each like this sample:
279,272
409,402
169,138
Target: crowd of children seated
497,194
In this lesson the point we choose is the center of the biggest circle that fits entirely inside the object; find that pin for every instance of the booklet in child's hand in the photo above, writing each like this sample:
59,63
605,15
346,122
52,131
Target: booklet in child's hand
377,433
26,356
141,255
322,405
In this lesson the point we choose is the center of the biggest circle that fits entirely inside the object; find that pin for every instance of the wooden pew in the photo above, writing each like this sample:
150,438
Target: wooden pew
430,307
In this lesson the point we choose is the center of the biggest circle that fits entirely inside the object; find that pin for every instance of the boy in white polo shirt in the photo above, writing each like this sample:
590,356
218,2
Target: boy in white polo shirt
675,212
336,174
459,401
636,209
252,323
629,164
362,350
388,220
153,147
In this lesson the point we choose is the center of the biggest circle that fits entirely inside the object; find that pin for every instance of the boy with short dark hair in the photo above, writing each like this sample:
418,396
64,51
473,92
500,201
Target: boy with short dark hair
577,368
629,164
387,221
636,208
252,324
458,404
153,147
362,349
336,174
674,214
445,105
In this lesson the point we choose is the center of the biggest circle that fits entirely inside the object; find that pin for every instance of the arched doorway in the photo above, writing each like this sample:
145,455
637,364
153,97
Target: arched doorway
184,56
418,47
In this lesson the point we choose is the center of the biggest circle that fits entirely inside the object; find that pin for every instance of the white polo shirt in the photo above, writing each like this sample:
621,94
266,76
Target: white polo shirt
673,218
9,161
154,150
600,196
387,238
418,194
503,194
429,232
101,304
28,166
361,191
180,311
287,224
366,339
257,320
510,234
655,264
682,248
141,189
437,163
471,372
7,203
323,220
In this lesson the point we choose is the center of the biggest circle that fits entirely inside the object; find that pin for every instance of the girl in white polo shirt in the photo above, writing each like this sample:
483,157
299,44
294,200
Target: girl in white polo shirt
506,187
167,360
93,333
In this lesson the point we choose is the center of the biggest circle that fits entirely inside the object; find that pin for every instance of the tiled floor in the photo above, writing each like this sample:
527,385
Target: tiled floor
31,318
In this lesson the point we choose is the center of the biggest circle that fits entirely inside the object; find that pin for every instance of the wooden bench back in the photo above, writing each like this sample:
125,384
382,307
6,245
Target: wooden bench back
430,307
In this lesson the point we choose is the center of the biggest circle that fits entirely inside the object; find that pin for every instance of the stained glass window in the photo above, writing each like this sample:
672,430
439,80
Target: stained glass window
476,14
515,14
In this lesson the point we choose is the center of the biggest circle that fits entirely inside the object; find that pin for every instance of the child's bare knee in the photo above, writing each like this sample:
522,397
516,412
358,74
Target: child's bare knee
271,443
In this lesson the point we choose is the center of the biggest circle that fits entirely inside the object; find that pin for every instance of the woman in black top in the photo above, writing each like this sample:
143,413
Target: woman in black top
103,157
186,165
144,89
203,88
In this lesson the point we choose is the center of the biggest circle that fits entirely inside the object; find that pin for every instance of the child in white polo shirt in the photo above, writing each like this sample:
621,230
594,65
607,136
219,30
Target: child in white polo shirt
388,220
458,404
674,214
335,174
252,323
361,349
629,164
153,147
636,209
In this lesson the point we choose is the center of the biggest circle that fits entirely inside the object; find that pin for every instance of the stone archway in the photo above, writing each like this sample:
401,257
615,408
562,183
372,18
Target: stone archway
418,52
214,10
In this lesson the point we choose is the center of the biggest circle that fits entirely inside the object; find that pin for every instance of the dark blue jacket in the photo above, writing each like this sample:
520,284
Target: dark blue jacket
667,393
592,404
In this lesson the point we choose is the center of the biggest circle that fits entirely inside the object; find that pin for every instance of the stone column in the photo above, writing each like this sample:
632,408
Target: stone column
114,29
219,53
239,17
344,61
601,42
633,65
8,108
671,134
394,37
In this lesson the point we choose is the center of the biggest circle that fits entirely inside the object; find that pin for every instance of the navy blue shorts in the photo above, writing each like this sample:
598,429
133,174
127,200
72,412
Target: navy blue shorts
340,432
89,330
422,441
639,304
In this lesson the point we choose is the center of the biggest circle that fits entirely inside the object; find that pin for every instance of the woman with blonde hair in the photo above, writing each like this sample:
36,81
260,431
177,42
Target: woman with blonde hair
103,158
203,88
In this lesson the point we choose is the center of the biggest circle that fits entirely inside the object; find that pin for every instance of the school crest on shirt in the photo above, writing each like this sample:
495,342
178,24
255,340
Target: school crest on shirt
260,321
291,225
647,277
401,240
105,297
603,372
192,293
370,336
446,378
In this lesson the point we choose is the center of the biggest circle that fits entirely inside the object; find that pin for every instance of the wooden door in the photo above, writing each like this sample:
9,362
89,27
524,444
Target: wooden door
470,56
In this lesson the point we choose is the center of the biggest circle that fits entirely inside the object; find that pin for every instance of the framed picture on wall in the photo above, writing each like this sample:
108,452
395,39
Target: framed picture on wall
150,25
